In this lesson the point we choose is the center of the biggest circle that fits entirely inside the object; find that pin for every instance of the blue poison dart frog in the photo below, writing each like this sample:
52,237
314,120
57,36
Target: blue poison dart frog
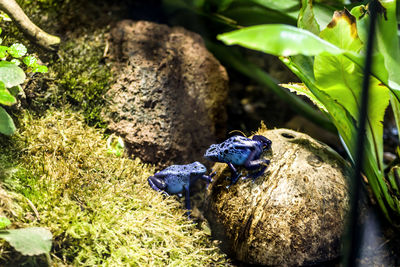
241,151
178,178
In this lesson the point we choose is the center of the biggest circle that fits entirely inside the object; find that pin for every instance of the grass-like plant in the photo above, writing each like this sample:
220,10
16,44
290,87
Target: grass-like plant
329,61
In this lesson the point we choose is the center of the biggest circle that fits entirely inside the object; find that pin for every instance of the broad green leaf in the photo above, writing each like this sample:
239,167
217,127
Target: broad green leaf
29,241
249,15
279,40
40,68
277,5
342,32
301,89
231,57
17,50
4,222
341,79
337,113
11,74
307,19
3,51
30,61
6,98
7,126
388,42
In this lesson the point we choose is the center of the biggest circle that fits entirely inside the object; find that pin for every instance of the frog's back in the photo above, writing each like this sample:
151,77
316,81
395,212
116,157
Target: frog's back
235,156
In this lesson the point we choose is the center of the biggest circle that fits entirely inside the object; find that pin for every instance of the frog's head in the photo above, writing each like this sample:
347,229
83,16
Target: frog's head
212,152
265,142
197,168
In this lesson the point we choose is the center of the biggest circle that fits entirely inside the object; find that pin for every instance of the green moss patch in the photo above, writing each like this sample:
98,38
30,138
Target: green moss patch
98,206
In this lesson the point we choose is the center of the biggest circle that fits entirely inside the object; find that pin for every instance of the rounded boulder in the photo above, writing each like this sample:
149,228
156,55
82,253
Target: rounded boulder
293,214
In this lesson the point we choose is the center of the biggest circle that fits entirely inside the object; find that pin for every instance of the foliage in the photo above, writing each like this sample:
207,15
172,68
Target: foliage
210,17
98,206
330,63
11,77
28,241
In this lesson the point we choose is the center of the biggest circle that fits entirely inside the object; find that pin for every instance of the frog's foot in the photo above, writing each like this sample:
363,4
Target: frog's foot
257,174
234,179
208,178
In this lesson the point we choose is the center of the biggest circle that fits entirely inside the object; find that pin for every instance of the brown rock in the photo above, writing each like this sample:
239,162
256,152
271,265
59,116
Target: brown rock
292,215
168,100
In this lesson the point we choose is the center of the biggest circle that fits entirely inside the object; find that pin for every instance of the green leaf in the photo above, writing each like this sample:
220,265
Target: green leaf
15,61
279,40
4,222
6,98
301,89
277,5
3,51
11,74
337,113
342,32
7,126
40,68
341,79
231,57
307,19
17,50
29,241
249,15
30,61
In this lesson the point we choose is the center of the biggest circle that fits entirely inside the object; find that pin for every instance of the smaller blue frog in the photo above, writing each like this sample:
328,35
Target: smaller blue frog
178,178
241,151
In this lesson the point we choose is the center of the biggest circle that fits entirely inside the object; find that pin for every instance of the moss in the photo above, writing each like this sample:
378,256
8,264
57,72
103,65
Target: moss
78,74
81,77
99,207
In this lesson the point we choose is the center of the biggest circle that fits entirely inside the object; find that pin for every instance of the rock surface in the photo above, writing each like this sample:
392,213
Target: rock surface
169,96
292,215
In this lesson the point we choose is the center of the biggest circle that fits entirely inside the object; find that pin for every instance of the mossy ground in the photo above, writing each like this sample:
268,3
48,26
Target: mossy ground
98,206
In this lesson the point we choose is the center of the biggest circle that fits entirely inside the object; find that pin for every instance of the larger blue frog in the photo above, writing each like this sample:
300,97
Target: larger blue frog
241,151
178,178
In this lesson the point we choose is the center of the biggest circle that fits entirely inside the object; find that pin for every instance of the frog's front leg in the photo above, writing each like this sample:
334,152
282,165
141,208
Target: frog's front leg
236,175
187,200
157,184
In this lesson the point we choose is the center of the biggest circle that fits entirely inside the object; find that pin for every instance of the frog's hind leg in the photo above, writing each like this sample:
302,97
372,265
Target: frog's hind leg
255,164
157,184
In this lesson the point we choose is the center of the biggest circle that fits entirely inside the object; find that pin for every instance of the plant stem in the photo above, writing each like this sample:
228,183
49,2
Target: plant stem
354,234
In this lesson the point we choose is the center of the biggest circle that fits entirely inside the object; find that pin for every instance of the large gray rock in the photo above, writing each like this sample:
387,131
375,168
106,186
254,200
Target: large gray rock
292,215
168,99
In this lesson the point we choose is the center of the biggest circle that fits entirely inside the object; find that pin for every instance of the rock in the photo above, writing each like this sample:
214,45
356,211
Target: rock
169,96
292,215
